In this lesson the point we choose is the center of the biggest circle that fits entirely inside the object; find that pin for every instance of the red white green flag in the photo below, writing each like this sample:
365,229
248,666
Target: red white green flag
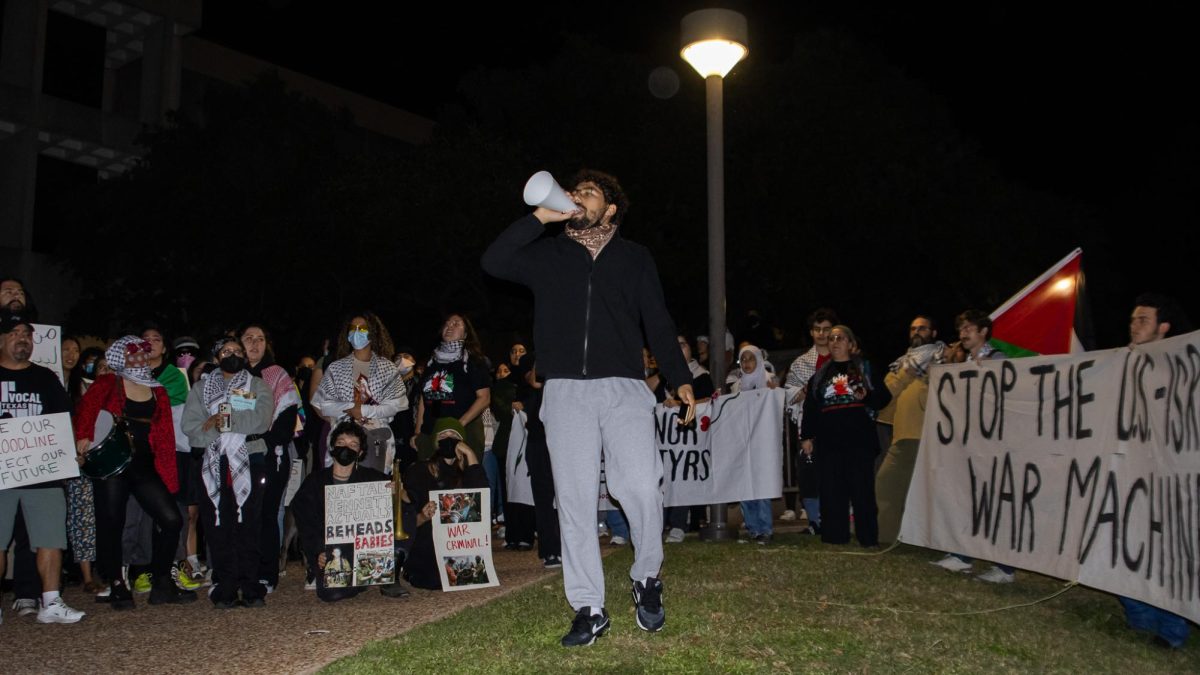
1048,316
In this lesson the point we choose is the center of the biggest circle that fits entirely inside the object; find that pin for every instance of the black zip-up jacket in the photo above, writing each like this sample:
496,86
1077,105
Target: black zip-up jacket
589,314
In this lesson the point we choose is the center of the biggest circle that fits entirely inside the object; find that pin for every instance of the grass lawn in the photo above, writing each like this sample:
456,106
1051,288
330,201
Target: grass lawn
748,608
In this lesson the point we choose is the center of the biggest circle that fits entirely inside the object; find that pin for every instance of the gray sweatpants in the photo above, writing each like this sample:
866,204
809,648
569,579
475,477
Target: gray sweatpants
582,418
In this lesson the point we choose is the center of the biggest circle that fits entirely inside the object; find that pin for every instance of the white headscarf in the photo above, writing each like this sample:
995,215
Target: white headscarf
756,379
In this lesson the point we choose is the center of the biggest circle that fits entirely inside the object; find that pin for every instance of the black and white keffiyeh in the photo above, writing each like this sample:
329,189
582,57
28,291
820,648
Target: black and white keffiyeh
920,359
449,352
229,444
383,381
117,354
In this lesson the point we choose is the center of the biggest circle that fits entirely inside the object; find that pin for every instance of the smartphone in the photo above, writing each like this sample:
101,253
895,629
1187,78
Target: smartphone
683,413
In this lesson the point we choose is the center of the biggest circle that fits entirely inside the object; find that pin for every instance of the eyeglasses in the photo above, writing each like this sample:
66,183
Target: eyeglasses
230,352
358,329
839,338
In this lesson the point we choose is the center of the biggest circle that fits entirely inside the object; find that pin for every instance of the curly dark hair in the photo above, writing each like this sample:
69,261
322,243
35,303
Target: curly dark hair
975,317
381,339
613,192
349,428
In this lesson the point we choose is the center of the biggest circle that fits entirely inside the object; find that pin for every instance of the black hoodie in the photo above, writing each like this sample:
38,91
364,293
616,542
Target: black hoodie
589,315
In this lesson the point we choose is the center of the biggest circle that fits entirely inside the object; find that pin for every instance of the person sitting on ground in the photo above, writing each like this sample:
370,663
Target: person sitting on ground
454,465
349,442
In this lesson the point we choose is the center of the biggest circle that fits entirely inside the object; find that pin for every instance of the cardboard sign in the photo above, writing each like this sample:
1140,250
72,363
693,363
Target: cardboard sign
462,538
47,348
359,542
36,450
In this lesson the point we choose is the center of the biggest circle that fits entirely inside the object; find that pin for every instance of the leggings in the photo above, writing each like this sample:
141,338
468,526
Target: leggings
143,482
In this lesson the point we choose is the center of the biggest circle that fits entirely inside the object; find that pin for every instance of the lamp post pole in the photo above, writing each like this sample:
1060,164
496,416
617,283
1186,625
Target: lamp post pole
714,40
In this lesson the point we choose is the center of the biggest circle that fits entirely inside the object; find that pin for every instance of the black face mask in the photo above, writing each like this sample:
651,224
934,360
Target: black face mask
447,447
303,373
344,454
232,364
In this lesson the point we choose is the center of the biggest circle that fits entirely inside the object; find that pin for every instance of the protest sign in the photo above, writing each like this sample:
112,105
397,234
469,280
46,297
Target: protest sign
733,453
359,548
36,450
1084,467
516,469
462,538
47,348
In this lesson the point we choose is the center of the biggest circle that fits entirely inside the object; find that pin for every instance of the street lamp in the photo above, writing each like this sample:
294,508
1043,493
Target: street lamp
713,41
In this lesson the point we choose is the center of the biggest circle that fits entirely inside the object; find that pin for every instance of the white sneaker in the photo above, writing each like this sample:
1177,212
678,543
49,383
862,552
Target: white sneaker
997,576
602,530
675,536
618,541
58,612
953,563
26,606
310,584
269,587
788,515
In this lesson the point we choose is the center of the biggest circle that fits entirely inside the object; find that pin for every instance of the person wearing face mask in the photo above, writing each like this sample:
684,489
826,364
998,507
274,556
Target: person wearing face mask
85,373
454,465
227,414
185,351
347,445
456,384
260,359
365,386
151,478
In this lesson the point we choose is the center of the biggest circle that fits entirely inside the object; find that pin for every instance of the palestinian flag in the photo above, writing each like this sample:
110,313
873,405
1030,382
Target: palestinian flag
1049,316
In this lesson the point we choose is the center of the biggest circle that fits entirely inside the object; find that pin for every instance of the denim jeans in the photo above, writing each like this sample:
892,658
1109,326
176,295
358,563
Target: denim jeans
757,515
491,466
617,525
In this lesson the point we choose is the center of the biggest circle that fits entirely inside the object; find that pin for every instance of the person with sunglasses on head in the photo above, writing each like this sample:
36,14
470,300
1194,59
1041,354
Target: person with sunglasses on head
365,386
838,425
227,414
131,394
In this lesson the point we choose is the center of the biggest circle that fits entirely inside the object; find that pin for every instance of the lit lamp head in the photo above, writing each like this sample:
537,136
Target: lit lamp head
714,41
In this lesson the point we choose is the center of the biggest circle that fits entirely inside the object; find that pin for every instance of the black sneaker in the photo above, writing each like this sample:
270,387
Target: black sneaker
167,592
647,598
394,590
552,562
120,597
586,628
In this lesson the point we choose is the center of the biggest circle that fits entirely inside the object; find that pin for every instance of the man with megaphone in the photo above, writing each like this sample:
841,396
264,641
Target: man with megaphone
595,292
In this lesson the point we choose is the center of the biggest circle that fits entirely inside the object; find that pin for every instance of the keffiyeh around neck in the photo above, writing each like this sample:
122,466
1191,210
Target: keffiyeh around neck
229,444
449,351
593,238
920,359
119,352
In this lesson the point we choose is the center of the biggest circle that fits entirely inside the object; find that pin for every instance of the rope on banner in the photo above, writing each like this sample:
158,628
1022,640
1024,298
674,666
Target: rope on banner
893,610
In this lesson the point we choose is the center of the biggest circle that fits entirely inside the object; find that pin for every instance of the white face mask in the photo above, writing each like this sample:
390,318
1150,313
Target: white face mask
406,365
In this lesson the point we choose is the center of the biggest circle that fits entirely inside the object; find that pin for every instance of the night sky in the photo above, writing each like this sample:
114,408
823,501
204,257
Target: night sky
1096,107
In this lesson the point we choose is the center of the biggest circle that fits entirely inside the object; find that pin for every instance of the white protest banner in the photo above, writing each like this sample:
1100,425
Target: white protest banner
516,468
36,450
733,453
462,538
1085,467
47,348
359,541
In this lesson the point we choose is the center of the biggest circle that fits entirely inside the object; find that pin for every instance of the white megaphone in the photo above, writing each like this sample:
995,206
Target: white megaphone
543,190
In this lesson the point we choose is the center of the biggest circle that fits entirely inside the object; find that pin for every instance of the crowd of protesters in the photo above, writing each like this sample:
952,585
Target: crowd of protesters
217,427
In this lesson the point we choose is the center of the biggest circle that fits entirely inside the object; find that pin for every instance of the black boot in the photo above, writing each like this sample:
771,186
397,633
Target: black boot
165,592
120,597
